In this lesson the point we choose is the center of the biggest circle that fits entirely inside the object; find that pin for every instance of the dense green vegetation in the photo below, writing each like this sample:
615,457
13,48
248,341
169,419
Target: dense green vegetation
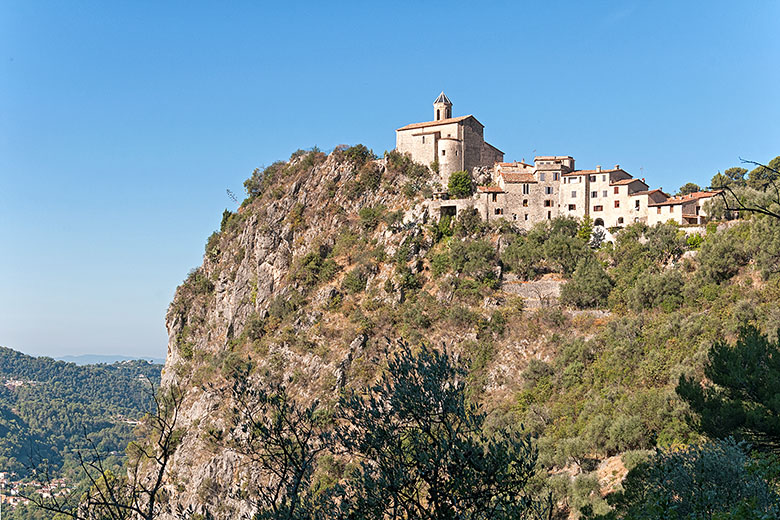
46,417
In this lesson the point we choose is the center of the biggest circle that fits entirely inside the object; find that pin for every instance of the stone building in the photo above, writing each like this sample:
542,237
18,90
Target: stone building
687,209
551,187
526,194
454,143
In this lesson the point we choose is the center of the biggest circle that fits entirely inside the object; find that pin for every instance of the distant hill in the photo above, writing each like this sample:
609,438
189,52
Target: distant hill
95,359
46,405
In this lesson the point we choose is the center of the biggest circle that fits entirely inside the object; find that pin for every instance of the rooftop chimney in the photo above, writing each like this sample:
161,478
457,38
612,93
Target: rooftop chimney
617,166
598,168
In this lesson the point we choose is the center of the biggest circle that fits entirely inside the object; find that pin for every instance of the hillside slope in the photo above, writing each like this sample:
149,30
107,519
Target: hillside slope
46,406
331,255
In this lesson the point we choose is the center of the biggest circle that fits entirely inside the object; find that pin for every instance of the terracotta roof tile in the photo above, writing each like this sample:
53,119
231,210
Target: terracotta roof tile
647,192
490,189
439,122
518,177
621,182
673,201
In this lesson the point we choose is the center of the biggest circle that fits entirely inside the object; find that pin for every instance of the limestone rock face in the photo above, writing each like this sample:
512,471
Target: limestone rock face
304,284
246,277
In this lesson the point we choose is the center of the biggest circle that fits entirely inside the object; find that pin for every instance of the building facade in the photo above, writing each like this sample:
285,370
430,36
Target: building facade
526,194
452,143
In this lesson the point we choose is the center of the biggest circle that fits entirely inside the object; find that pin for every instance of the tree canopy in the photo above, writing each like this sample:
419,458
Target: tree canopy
742,395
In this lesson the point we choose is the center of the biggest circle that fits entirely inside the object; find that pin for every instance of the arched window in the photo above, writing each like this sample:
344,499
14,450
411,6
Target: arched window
598,222
438,114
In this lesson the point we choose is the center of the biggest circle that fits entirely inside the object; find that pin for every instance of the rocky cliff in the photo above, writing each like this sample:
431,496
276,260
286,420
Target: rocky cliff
327,258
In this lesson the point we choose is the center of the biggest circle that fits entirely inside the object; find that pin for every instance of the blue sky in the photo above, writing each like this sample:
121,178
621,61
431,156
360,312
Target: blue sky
123,123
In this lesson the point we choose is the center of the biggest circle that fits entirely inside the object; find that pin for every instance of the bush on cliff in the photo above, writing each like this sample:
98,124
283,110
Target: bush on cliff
459,185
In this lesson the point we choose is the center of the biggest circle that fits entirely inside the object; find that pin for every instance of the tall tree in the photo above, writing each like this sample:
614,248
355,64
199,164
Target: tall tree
688,188
282,440
742,395
710,481
764,181
423,450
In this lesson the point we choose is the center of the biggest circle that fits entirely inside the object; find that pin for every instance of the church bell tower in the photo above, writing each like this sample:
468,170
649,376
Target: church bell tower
442,108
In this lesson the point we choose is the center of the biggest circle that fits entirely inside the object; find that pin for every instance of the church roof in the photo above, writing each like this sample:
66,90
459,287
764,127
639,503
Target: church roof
439,122
443,99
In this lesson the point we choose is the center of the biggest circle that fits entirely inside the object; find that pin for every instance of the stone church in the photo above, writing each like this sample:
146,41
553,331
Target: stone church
454,143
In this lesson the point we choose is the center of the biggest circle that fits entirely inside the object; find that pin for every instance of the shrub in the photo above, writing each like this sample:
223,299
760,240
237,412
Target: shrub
355,280
653,289
459,185
261,180
468,223
370,216
476,259
312,269
714,480
694,241
589,286
564,252
212,246
665,242
721,256
523,257
440,264
295,217
198,282
255,327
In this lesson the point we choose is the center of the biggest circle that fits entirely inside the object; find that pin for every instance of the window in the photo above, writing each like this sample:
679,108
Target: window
423,139
617,190
541,176
603,178
604,194
549,215
438,114
671,209
525,203
598,208
526,189
499,211
572,207
620,220
526,216
444,152
592,178
555,176
495,197
514,216
548,204
636,204
548,190
617,203
659,210
574,194
594,194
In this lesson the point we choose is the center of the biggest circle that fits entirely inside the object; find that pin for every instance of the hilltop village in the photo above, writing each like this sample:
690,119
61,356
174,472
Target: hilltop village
528,193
